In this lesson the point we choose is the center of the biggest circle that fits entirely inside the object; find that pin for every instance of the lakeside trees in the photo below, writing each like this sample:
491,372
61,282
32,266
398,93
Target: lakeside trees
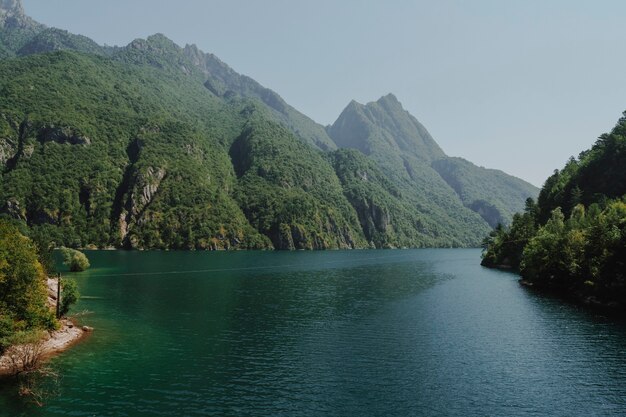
24,266
23,294
573,241
75,260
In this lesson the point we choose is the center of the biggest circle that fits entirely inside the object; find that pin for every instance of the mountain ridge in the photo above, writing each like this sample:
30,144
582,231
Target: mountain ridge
403,147
153,145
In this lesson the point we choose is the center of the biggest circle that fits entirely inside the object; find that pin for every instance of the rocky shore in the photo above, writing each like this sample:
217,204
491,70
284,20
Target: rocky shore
53,342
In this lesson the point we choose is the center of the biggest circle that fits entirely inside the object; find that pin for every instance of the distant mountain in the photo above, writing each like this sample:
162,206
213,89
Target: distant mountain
404,150
16,29
384,127
156,146
493,194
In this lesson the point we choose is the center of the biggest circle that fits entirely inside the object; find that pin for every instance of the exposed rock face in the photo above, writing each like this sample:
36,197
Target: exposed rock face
12,16
144,187
373,217
13,209
11,8
7,151
297,237
62,135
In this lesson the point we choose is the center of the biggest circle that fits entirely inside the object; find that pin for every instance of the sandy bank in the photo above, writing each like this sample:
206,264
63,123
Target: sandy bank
54,342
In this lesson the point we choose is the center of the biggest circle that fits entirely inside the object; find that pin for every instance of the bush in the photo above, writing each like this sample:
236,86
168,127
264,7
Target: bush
75,260
69,295
7,329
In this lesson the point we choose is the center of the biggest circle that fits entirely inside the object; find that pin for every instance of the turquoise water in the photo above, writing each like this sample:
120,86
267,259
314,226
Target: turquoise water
354,333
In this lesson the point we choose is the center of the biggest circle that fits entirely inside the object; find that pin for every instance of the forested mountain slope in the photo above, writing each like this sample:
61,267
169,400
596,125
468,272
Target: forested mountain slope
156,146
404,150
573,240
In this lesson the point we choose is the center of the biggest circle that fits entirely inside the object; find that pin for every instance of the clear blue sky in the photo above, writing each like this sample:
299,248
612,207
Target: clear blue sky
515,85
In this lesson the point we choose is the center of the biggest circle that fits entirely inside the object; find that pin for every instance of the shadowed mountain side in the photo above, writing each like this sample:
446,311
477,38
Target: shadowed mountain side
290,192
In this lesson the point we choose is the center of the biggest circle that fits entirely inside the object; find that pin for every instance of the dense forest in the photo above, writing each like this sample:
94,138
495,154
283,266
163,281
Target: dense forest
158,146
573,239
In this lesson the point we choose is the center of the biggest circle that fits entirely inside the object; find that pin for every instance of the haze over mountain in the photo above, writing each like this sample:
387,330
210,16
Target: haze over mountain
406,152
157,146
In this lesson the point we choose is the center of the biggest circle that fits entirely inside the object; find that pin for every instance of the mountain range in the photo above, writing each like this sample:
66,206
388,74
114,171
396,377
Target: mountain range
153,145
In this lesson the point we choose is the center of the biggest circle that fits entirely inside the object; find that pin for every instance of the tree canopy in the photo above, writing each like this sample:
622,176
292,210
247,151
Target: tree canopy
23,291
574,239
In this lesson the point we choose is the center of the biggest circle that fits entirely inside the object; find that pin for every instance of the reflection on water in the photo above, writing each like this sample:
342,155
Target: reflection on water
419,332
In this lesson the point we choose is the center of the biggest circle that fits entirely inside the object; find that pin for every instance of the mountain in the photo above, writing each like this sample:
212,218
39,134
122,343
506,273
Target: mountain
407,153
573,240
153,145
223,81
15,27
384,127
52,39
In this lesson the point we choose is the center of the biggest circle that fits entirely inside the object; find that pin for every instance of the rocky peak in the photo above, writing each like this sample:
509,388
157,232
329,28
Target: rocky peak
390,99
11,12
12,16
384,126
11,8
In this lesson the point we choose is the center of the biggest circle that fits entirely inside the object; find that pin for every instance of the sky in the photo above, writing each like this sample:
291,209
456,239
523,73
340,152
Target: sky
515,85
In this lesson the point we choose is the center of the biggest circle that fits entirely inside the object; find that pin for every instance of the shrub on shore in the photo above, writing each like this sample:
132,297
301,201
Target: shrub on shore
75,260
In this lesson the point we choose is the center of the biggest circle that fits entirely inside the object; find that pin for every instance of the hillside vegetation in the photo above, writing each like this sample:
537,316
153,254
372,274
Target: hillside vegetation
573,240
445,191
153,145
23,292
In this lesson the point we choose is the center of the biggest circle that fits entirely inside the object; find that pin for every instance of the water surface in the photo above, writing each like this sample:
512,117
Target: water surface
348,333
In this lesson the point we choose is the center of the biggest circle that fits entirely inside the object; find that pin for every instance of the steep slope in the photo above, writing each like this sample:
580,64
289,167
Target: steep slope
383,127
493,194
157,146
387,217
408,154
224,81
98,153
598,174
290,193
21,35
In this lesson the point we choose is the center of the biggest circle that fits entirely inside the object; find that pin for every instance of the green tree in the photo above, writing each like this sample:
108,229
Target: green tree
23,294
541,255
75,260
504,246
69,295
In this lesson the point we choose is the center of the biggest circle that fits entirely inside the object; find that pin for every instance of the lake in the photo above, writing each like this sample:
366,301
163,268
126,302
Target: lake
348,333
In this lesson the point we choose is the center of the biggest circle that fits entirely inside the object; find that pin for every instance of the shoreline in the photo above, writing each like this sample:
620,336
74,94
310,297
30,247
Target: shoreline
55,342
589,302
